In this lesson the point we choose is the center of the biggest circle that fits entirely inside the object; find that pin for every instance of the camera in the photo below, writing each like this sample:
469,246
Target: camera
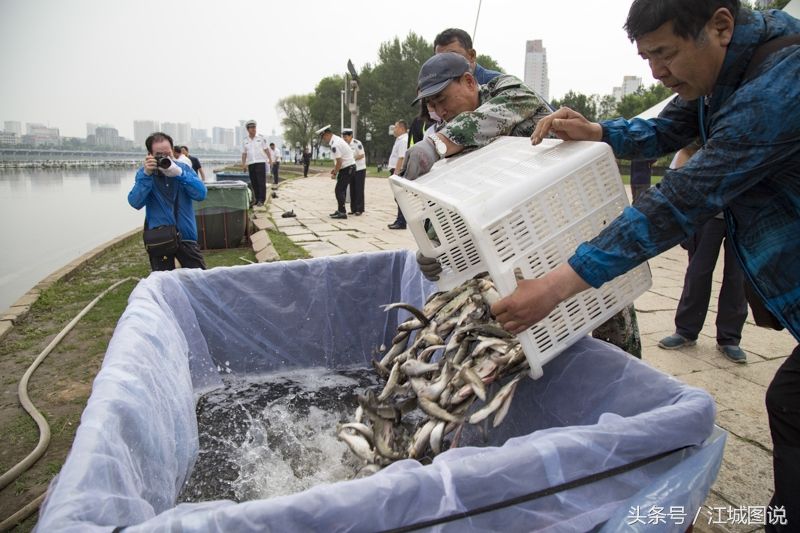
162,160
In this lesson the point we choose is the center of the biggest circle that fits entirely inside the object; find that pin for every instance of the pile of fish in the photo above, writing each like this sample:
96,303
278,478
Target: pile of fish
445,357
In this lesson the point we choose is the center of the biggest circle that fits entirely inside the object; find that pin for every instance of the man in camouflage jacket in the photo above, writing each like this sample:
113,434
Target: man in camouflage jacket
474,115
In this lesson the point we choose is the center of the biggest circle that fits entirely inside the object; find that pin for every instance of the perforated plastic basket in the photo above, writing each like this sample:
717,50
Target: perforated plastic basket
513,207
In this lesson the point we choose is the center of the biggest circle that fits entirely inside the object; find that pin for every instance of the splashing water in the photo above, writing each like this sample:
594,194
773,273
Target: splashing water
275,434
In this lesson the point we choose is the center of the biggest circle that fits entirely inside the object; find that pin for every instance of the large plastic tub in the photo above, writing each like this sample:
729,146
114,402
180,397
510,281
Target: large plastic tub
513,207
222,217
596,408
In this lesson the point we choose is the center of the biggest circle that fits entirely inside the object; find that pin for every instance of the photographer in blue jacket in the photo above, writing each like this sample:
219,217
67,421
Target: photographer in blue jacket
166,188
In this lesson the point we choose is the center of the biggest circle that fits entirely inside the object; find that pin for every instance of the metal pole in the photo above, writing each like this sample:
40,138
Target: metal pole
475,29
341,114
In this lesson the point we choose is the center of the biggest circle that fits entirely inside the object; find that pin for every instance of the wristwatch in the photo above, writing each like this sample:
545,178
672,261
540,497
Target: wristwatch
441,147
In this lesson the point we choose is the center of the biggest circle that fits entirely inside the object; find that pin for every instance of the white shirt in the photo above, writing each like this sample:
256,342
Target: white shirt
254,148
358,150
398,150
341,150
276,155
186,160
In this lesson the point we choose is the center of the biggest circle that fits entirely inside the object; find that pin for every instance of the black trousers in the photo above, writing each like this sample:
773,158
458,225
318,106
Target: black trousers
258,179
783,412
344,179
703,248
275,168
188,254
306,163
400,218
357,191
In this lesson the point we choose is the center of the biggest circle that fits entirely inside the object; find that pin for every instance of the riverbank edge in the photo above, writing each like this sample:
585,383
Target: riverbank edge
20,308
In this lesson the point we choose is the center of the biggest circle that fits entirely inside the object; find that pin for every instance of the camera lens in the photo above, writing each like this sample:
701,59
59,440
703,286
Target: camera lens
163,162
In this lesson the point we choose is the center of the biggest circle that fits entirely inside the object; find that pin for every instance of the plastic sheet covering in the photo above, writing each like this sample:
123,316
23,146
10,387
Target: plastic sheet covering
595,408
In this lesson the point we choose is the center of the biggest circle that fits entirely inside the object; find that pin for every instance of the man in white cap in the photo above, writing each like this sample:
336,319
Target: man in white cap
357,190
255,157
344,169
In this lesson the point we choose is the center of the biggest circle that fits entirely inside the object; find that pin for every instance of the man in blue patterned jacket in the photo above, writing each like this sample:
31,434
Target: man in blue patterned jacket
744,105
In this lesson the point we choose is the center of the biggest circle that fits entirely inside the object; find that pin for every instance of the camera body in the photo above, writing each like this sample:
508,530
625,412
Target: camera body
163,160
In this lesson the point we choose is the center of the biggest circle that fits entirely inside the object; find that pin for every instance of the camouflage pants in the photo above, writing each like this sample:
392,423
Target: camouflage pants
622,330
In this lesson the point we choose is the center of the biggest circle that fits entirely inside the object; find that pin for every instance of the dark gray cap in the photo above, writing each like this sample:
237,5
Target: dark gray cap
438,72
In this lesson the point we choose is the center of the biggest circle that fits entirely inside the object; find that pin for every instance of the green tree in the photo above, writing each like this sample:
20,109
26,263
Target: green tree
606,107
326,104
489,63
643,99
585,105
387,89
298,125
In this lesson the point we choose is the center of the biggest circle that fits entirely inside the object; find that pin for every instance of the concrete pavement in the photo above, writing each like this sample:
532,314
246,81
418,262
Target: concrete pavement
745,478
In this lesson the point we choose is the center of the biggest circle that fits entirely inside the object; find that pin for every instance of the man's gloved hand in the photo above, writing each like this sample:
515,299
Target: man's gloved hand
172,171
429,266
419,159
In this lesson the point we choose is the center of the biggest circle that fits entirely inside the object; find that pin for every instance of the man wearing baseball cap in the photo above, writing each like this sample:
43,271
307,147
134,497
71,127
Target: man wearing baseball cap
344,169
474,116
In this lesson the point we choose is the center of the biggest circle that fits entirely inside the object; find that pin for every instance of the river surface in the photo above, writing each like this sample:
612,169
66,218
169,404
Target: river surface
49,217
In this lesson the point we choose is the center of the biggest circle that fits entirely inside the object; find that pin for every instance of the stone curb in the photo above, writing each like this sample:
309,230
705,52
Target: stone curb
22,306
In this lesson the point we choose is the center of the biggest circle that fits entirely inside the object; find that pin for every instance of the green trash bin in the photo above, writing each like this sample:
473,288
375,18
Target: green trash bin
222,217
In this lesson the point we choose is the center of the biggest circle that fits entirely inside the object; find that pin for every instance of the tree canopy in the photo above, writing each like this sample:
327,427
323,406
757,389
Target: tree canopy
298,125
385,92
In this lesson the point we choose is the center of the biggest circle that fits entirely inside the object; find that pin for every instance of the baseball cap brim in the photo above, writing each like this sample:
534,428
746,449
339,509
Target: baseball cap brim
433,90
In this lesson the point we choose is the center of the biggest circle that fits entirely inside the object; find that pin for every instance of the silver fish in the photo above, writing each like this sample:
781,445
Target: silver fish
496,402
391,383
415,367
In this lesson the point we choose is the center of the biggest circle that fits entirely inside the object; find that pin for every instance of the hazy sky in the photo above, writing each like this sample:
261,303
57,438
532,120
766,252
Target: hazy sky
213,62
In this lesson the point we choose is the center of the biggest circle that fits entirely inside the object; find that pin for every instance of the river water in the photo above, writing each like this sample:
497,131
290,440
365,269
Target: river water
49,217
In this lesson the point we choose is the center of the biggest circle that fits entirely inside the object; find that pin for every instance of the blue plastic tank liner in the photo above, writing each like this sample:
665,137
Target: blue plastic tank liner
595,408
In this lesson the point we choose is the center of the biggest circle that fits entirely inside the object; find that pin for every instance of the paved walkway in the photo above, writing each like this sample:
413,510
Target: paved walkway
745,478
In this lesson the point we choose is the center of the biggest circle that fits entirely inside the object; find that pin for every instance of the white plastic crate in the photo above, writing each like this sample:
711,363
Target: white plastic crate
512,206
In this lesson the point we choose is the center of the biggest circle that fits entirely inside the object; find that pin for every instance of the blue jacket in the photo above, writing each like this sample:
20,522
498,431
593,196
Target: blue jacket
749,168
484,75
159,205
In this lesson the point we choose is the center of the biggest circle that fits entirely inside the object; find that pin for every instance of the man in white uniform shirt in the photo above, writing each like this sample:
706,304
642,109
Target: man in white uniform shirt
357,190
255,158
396,164
344,169
275,154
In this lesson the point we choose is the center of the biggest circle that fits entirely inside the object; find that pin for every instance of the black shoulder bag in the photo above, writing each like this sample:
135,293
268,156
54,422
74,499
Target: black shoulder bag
163,240
761,314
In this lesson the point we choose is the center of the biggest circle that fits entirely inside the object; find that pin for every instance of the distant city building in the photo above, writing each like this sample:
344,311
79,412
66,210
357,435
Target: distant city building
171,129
13,126
241,131
223,138
106,136
200,137
39,135
9,137
630,84
142,129
184,134
90,128
536,68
